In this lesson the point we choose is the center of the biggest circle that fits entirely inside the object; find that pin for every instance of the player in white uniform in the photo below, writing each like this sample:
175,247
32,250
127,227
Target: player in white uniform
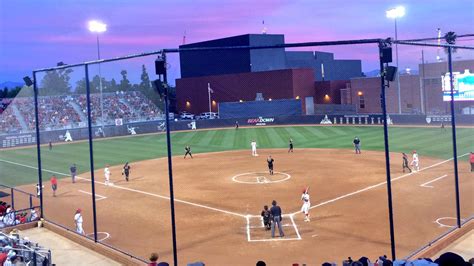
67,136
78,221
107,175
306,204
253,144
415,162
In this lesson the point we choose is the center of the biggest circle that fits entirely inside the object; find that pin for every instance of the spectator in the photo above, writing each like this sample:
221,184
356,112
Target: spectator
153,259
449,259
163,264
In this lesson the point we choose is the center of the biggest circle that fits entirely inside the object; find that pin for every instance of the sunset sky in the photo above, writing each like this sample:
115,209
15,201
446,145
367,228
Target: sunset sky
36,34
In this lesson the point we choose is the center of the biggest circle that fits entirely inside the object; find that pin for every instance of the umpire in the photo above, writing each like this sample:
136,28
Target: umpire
275,210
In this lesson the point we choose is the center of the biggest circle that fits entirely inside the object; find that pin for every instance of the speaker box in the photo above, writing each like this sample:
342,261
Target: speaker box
28,81
391,73
160,67
386,55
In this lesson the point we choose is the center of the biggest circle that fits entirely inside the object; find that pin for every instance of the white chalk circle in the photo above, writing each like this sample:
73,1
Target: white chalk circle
260,178
438,221
104,235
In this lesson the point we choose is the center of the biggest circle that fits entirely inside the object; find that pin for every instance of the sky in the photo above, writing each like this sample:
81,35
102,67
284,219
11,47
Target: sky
39,33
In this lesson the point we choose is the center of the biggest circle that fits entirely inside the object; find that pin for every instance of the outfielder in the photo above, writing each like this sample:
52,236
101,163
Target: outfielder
253,144
415,162
107,175
78,221
306,204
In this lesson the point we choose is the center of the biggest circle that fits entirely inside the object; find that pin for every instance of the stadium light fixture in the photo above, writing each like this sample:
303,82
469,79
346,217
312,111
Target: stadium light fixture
270,99
297,97
188,103
395,13
360,93
97,26
241,101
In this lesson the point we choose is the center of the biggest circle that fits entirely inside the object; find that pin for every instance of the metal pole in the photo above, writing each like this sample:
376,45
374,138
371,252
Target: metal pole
38,145
91,150
453,127
170,166
387,155
12,197
209,93
398,70
100,88
422,85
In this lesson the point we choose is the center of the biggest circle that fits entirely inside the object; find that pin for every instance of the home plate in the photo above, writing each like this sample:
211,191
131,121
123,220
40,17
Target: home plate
314,235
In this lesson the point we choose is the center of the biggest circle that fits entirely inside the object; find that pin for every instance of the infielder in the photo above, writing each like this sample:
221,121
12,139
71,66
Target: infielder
187,149
356,143
126,170
107,175
78,221
291,146
405,162
253,144
73,170
270,164
306,204
415,162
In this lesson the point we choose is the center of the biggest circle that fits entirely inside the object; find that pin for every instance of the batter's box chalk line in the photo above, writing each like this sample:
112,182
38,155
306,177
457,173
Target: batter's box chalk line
269,239
260,178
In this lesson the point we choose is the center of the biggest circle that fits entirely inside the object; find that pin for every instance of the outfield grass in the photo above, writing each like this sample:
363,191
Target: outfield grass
433,142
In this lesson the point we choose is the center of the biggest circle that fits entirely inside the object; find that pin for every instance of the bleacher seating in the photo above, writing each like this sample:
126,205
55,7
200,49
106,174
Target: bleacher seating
58,112
15,250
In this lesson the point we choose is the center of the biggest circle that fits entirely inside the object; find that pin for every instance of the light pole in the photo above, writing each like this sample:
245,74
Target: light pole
395,13
99,27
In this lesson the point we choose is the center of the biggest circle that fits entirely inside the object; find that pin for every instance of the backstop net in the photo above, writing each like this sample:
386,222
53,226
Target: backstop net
250,127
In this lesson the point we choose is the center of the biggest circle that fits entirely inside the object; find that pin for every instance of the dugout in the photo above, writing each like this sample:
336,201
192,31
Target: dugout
286,107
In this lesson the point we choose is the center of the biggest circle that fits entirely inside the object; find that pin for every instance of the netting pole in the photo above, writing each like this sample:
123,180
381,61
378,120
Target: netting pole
38,145
453,127
12,197
91,151
170,165
387,152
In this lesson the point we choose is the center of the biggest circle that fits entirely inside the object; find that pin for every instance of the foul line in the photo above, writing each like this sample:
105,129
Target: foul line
377,185
131,189
434,180
97,195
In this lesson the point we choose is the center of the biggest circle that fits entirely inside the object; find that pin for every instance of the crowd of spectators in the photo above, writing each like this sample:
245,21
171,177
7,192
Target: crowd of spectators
446,259
10,217
8,121
15,250
59,112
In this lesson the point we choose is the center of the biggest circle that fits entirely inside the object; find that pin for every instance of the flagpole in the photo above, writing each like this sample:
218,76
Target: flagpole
209,93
